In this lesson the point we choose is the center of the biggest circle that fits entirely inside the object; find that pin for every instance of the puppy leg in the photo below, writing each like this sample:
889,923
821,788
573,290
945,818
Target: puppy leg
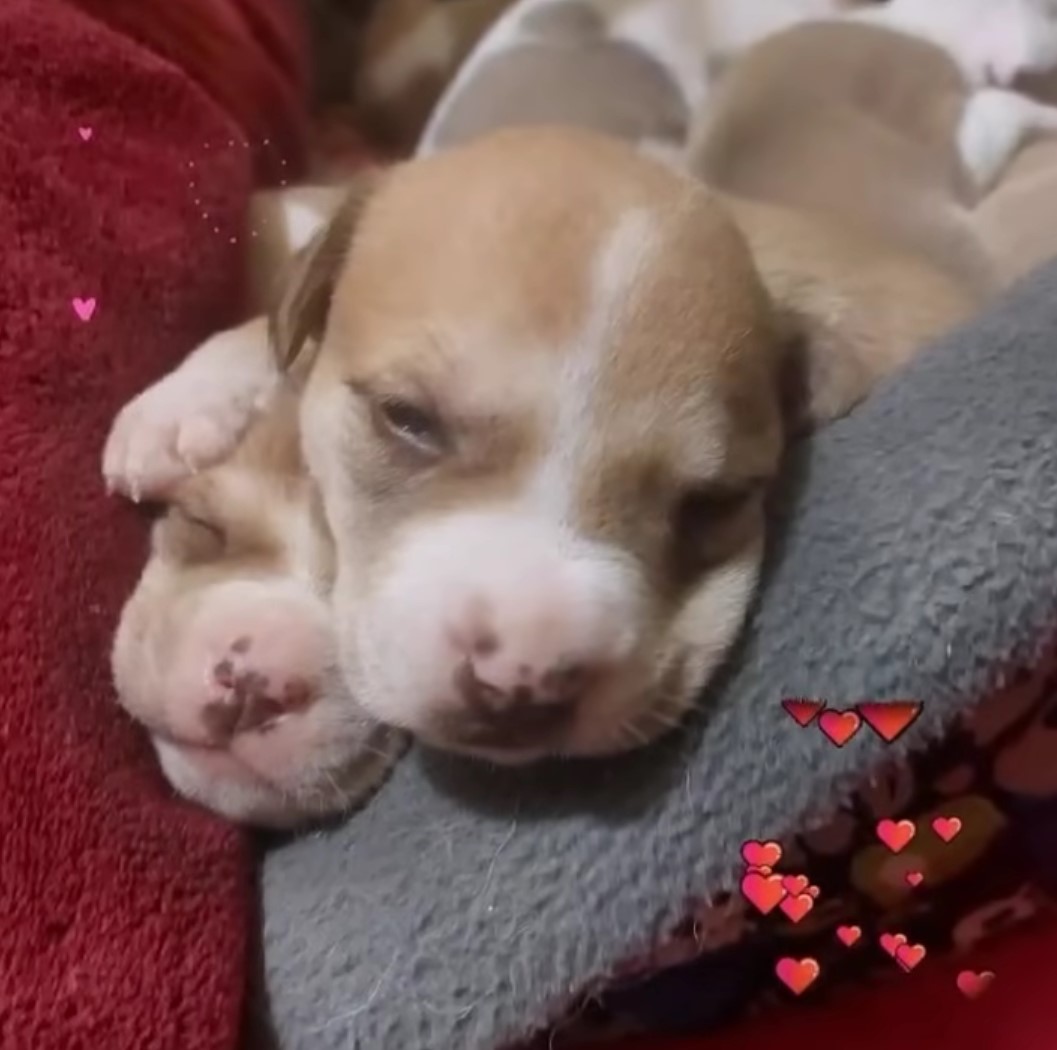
994,125
194,416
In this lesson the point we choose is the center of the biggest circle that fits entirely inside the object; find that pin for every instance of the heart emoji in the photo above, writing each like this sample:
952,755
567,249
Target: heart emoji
84,308
909,955
761,854
797,907
896,834
947,828
892,719
892,942
803,712
914,878
763,892
839,726
794,883
797,974
849,936
85,133
814,891
972,985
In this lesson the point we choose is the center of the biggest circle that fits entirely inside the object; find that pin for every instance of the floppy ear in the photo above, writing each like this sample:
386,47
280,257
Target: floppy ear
851,309
303,303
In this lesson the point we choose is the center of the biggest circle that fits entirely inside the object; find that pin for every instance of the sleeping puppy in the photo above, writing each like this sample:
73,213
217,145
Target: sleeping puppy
226,651
550,382
874,128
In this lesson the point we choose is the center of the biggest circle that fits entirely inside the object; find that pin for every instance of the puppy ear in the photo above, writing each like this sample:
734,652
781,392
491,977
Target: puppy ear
303,304
850,309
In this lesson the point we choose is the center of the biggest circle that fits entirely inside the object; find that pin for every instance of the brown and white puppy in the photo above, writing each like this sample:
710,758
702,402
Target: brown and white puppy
547,392
544,407
225,651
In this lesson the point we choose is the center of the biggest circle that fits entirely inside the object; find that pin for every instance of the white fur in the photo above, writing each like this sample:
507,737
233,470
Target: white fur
302,221
994,125
192,417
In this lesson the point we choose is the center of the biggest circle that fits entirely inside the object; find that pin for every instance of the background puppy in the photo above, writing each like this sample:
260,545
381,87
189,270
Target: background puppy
225,650
878,130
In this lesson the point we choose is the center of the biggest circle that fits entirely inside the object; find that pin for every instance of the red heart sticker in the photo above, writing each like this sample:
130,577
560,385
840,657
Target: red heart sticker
797,907
797,974
803,712
909,955
892,719
839,726
849,935
947,828
892,942
763,892
761,854
794,883
896,835
972,985
914,878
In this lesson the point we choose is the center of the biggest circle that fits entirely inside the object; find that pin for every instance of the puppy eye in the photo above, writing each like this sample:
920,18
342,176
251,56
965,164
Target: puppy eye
411,424
709,524
703,505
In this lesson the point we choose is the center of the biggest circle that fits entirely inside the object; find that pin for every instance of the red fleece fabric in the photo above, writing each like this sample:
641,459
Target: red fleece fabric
919,1011
126,914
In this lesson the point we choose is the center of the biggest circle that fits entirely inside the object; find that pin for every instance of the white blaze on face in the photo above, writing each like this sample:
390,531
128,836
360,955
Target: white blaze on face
516,586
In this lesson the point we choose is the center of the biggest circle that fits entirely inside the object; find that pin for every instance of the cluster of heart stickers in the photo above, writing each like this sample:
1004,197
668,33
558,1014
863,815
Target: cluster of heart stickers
768,891
896,835
793,894
889,719
765,889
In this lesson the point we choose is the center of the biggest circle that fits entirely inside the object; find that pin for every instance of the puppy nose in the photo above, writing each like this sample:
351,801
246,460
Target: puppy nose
518,714
251,701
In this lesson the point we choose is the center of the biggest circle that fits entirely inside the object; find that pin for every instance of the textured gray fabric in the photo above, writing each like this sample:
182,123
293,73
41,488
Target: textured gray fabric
918,553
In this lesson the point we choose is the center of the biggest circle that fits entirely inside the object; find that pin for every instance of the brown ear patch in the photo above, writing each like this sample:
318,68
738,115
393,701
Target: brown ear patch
303,303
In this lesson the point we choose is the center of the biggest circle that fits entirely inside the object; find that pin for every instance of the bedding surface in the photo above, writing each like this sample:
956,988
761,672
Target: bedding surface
471,907
127,915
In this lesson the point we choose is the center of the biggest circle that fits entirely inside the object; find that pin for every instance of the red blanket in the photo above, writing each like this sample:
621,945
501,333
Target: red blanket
126,915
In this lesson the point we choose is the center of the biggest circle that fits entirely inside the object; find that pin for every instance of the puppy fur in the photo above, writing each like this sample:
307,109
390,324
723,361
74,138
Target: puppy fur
543,422
226,652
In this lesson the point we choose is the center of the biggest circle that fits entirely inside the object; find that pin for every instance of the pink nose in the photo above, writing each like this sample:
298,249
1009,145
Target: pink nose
250,700
517,714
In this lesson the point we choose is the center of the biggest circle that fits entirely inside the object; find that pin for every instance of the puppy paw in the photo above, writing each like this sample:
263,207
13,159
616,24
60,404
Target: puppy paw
170,431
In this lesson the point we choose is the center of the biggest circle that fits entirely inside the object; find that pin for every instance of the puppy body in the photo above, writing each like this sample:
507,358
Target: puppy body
857,124
542,448
226,652
547,391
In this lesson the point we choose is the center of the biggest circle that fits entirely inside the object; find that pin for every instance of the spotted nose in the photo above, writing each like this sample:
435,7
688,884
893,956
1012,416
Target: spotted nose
524,714
250,701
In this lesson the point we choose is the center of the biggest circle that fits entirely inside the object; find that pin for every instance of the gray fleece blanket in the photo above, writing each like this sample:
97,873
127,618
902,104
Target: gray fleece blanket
915,556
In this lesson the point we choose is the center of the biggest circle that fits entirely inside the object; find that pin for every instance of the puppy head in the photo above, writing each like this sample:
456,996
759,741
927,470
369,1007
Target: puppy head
225,649
542,416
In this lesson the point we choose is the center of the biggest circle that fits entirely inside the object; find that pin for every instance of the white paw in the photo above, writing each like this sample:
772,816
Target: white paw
171,430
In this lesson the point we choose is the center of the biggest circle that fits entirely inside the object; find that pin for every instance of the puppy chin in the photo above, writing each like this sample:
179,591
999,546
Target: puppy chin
222,782
216,782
